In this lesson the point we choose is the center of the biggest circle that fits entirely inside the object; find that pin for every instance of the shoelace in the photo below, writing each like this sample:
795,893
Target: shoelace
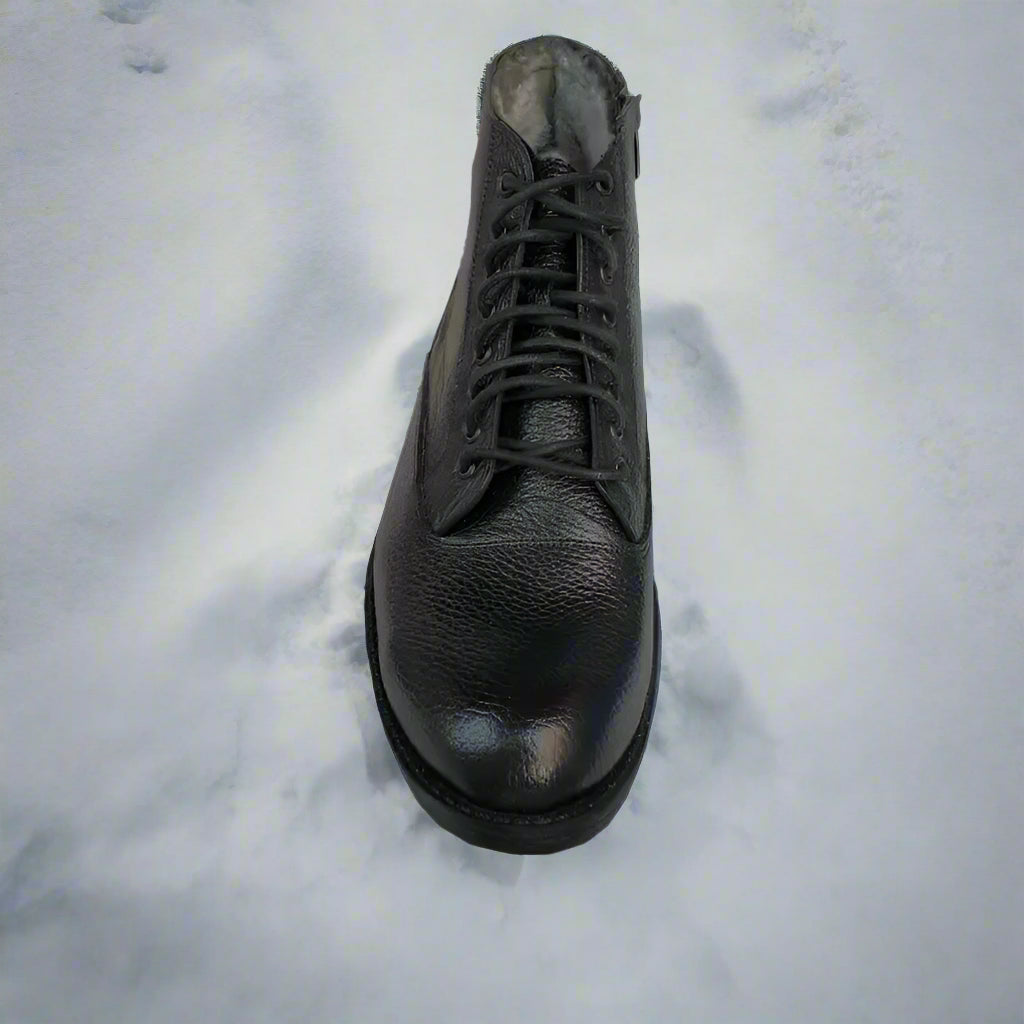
598,341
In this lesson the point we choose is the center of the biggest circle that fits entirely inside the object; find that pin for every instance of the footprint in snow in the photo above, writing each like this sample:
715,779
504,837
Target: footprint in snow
689,381
803,101
145,61
409,368
127,12
705,716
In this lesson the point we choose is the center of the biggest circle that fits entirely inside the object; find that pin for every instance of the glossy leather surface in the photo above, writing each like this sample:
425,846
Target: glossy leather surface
515,611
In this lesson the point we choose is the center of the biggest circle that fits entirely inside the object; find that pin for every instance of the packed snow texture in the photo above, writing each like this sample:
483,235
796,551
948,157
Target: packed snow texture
228,229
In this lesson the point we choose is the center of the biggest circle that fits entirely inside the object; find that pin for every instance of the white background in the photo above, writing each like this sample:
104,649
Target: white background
227,232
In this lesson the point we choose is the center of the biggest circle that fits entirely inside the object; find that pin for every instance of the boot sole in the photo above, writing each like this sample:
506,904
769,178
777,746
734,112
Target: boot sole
560,828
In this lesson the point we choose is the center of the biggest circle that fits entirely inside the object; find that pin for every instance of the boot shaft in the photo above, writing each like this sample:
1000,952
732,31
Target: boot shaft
544,103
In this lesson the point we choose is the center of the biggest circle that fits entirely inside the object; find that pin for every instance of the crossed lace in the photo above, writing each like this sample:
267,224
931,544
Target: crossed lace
576,337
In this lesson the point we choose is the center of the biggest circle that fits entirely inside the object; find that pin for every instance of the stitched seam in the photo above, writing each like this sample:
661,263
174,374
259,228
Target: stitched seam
565,542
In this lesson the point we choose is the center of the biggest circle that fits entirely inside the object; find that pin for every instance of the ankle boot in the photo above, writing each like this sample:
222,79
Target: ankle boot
512,620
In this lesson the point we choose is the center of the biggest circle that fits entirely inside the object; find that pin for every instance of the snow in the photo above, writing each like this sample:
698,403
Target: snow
227,232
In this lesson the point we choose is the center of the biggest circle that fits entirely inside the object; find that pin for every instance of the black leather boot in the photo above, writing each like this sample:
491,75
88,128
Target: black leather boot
512,619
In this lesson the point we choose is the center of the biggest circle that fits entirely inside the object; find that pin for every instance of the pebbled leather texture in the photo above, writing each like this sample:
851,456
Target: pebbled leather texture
515,614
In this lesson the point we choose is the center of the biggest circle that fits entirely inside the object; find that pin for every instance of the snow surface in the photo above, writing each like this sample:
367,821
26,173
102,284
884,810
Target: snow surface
227,232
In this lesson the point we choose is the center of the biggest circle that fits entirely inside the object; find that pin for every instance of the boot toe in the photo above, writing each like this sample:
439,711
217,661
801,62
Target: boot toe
519,705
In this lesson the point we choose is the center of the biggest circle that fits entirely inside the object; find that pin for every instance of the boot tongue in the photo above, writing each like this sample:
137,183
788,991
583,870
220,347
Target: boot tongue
548,419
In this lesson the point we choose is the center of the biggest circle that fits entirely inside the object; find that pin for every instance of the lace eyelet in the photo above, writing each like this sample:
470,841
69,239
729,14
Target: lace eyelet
482,357
504,189
616,430
621,464
609,319
470,437
606,185
485,309
607,275
467,471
